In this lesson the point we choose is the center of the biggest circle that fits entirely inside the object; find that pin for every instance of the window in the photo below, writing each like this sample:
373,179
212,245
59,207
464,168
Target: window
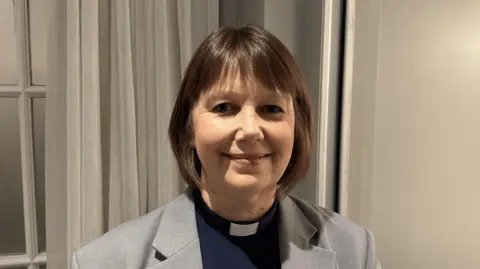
22,133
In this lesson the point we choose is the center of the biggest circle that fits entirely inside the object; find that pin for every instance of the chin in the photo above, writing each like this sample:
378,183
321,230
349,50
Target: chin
245,182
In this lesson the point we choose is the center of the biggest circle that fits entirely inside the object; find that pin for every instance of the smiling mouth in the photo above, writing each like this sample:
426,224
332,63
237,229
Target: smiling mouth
250,158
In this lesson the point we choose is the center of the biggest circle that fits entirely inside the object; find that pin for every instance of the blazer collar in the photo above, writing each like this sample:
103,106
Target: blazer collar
178,245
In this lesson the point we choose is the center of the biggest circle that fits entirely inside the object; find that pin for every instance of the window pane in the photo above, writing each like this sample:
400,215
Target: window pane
38,14
12,232
8,51
38,118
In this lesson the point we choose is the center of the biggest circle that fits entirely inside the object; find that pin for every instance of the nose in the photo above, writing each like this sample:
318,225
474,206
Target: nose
249,127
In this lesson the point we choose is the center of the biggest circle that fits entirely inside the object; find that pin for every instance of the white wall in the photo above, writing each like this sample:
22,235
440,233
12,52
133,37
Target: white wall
413,153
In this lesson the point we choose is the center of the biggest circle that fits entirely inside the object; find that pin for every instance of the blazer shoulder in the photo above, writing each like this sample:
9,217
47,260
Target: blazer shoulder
322,217
109,251
335,232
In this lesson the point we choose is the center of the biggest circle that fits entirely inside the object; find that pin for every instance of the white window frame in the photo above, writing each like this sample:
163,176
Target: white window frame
24,91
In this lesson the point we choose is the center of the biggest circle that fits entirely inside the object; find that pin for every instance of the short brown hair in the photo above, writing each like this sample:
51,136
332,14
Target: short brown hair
257,55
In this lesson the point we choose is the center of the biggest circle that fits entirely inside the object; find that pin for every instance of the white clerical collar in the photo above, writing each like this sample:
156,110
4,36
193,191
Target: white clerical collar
227,227
243,229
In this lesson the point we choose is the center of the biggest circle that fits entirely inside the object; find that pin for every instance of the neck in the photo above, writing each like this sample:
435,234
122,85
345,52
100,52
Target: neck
237,205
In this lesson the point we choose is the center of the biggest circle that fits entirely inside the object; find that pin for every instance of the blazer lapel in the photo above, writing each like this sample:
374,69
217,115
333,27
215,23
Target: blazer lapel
188,257
176,243
296,231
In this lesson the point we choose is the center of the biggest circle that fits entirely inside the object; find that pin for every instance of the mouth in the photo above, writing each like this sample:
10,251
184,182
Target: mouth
247,157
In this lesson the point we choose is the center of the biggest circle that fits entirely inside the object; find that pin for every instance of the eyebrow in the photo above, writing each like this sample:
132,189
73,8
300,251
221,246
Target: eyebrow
270,96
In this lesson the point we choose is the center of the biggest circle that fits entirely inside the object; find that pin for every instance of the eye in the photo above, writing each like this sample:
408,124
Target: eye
222,108
273,109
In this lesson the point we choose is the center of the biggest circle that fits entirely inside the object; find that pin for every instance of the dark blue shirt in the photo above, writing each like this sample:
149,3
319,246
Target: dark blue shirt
221,250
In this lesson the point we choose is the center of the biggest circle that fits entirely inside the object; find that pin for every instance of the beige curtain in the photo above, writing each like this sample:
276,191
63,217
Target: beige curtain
114,70
115,67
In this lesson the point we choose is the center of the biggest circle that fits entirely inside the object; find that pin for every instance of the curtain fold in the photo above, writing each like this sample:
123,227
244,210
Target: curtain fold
124,202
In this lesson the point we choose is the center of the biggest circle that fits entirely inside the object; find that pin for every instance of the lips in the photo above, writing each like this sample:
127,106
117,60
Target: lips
247,157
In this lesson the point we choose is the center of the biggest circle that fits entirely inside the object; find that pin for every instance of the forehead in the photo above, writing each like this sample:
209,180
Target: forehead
237,85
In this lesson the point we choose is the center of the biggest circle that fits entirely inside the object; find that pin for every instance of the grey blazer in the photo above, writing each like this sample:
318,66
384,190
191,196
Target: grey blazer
310,238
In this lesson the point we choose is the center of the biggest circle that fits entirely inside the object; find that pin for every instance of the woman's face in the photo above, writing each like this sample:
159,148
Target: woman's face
244,140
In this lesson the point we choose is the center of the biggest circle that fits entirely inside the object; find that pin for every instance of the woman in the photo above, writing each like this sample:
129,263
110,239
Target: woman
241,131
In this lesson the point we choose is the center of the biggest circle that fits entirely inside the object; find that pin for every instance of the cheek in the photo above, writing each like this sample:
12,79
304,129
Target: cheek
282,140
210,134
286,141
286,144
207,146
286,133
209,139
